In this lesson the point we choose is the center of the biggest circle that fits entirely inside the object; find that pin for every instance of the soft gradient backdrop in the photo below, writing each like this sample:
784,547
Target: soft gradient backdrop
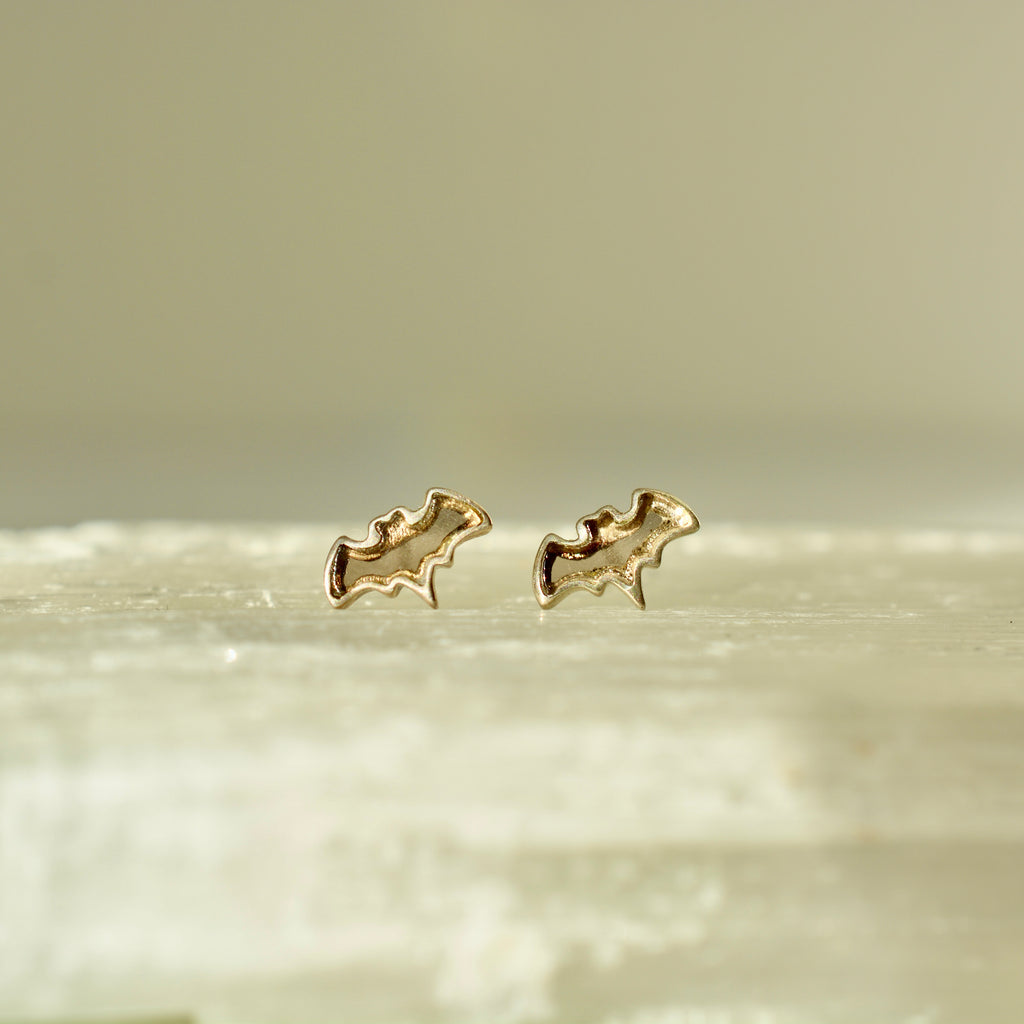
306,259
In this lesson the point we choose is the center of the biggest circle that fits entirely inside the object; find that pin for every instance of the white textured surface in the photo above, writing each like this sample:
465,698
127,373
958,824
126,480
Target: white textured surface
789,791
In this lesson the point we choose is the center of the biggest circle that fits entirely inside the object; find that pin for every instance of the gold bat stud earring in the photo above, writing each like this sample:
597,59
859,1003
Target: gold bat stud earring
403,548
611,547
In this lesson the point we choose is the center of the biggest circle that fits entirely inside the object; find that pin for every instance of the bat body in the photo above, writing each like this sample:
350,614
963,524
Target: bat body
611,547
403,548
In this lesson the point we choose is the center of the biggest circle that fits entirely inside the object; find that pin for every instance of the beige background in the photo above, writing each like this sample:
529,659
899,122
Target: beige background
304,260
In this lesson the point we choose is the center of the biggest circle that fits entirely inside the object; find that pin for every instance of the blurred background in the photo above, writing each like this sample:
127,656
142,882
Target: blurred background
302,261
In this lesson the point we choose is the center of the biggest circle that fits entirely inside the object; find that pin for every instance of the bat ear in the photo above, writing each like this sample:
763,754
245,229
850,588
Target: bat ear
684,517
691,523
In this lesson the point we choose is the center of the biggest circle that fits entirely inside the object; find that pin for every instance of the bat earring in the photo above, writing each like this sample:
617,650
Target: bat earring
611,547
403,548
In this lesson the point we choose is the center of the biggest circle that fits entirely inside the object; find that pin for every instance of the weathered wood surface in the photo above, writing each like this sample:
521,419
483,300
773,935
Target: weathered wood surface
792,790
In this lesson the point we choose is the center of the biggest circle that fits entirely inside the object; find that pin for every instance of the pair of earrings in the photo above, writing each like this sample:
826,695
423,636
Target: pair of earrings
405,546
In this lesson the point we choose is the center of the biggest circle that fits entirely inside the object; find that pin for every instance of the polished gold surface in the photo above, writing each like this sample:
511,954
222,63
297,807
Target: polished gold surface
403,548
611,547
